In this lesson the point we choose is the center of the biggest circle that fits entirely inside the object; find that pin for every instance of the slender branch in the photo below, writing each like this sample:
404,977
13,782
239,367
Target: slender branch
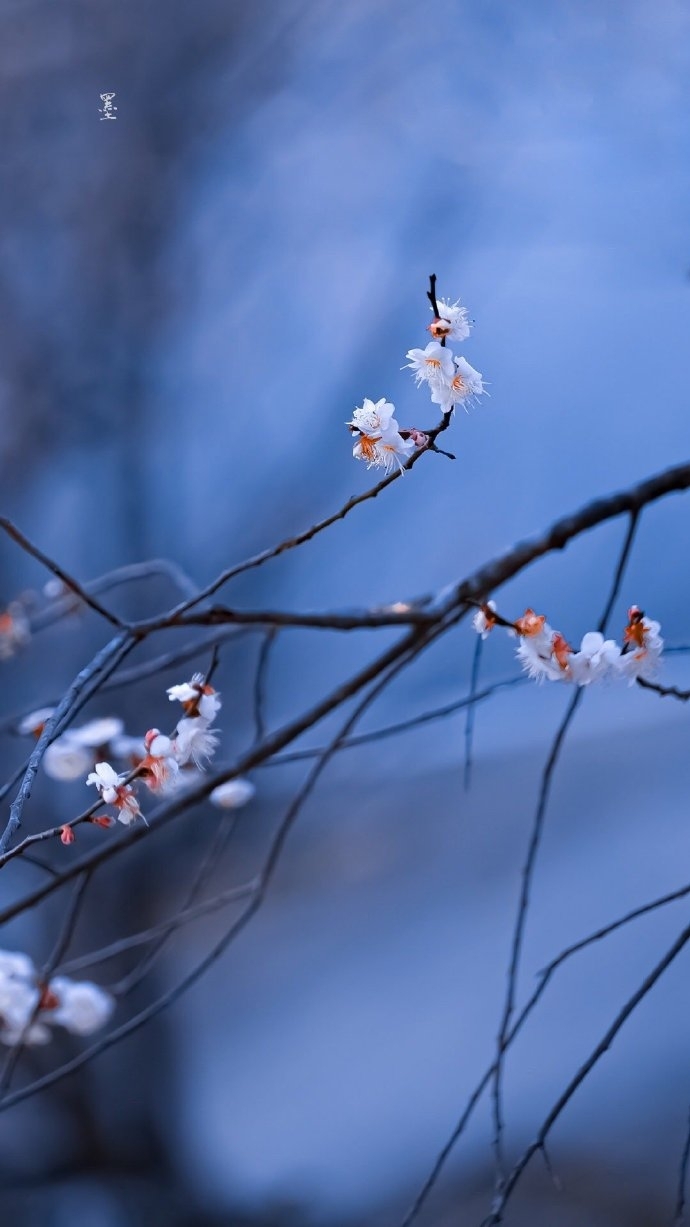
364,619
291,543
667,691
260,678
530,862
79,590
221,838
402,726
53,725
679,1209
263,882
563,1100
416,639
545,978
471,707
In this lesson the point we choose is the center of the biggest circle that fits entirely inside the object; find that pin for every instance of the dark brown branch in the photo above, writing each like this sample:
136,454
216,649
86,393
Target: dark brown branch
666,691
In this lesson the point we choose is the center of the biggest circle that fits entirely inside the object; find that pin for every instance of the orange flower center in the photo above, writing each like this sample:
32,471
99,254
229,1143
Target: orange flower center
367,446
530,624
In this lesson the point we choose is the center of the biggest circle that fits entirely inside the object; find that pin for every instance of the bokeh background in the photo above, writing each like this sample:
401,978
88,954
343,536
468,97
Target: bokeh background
193,299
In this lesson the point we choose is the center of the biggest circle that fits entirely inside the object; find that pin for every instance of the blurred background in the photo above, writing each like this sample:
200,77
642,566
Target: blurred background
194,297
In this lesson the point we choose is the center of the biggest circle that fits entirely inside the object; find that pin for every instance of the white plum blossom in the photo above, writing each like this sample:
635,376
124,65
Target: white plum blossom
19,998
34,722
482,621
385,452
194,741
115,792
433,365
462,387
233,794
544,652
159,767
452,321
65,760
82,1007
373,418
196,697
97,733
643,647
130,748
536,655
28,1008
379,441
597,658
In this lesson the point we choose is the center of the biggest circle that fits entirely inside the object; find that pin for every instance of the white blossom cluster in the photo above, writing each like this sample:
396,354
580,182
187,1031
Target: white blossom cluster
162,763
28,1008
545,653
451,381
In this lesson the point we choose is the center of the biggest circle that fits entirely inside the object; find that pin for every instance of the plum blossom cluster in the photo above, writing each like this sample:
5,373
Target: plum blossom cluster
30,1007
545,653
379,440
191,745
451,379
159,762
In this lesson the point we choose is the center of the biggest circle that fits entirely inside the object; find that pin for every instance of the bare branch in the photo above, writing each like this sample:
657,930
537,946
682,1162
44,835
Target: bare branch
29,548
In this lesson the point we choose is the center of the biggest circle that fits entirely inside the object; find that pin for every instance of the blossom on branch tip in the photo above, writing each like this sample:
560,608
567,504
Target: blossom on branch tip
233,794
452,321
115,792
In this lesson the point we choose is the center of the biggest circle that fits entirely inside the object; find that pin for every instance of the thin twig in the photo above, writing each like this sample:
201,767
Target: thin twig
666,691
259,691
530,862
545,978
576,1081
471,706
69,582
679,1211
53,726
263,882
